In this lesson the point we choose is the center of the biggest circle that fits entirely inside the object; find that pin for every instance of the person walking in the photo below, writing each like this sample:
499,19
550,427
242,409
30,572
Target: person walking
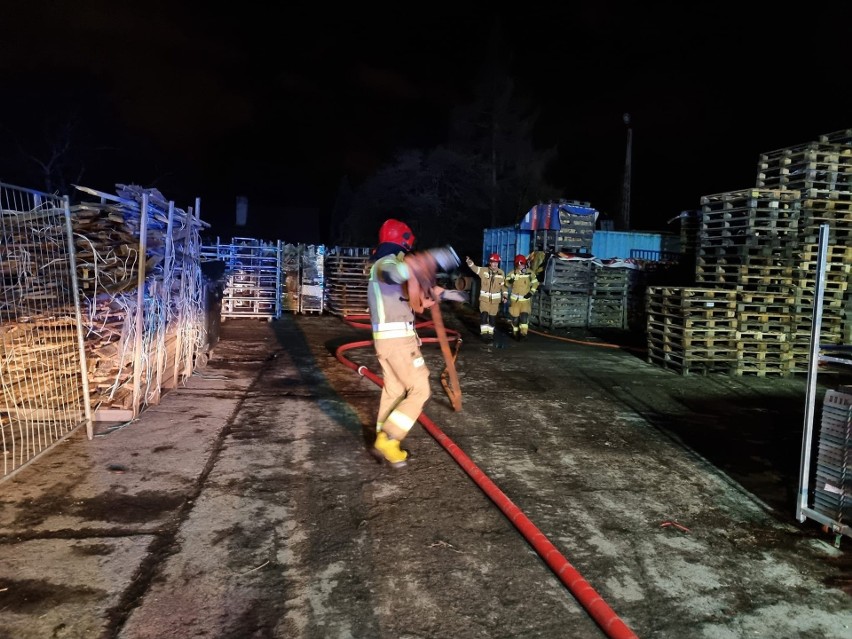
491,280
518,288
396,276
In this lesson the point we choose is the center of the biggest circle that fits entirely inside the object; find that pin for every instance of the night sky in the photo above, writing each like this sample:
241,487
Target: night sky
280,101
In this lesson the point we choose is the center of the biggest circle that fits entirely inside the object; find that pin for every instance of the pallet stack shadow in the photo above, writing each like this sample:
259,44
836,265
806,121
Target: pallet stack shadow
347,273
761,244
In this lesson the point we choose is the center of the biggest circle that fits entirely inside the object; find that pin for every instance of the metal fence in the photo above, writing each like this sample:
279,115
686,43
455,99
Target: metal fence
42,355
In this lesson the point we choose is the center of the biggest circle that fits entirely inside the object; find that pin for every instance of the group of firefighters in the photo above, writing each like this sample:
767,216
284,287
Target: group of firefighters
496,287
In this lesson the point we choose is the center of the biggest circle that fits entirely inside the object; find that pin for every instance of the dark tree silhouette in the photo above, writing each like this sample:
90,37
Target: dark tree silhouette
489,176
55,157
498,127
441,194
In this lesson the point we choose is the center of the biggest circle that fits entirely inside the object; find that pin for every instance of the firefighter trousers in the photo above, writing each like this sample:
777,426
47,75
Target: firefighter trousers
405,387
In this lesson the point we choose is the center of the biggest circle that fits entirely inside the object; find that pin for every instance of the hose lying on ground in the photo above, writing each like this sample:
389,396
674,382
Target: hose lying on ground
591,601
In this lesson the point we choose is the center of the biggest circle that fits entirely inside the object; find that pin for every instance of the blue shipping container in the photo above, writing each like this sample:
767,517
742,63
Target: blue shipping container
626,244
508,241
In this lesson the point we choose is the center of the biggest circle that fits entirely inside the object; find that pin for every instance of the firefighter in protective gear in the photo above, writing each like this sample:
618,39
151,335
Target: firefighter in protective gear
518,289
396,275
490,293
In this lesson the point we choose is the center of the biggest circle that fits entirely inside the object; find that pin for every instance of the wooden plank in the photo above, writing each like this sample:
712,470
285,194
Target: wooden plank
112,415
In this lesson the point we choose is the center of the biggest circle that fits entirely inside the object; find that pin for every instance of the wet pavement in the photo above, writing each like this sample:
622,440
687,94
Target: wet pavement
245,503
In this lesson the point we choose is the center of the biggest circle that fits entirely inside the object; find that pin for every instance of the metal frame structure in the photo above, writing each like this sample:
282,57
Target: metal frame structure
43,381
803,510
253,277
312,279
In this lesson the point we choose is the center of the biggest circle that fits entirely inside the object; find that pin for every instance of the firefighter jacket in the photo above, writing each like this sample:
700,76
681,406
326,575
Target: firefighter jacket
387,295
518,283
491,282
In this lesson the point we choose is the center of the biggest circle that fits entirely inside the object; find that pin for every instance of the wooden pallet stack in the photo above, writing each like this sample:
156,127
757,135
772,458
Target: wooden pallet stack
821,171
565,304
690,222
692,330
761,243
291,259
312,278
749,217
836,327
746,243
616,297
574,234
824,165
347,271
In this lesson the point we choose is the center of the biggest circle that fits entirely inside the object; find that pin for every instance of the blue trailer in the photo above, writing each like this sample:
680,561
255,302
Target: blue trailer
654,247
508,241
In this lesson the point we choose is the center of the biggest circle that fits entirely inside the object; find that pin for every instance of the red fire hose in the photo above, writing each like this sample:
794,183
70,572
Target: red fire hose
597,608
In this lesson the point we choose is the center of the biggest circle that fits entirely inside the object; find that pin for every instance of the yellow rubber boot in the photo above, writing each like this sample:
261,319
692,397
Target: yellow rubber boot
388,450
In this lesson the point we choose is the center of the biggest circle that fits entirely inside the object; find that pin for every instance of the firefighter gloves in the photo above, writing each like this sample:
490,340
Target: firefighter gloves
445,257
426,263
454,296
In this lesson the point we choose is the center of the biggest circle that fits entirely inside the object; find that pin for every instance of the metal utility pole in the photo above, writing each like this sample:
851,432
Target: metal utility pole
625,192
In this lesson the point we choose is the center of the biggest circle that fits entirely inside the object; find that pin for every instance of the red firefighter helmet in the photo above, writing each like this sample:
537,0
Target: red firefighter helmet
520,261
494,257
396,232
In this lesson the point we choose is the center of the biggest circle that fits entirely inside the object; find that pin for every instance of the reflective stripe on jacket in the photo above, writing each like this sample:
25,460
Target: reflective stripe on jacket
388,330
521,283
390,312
491,282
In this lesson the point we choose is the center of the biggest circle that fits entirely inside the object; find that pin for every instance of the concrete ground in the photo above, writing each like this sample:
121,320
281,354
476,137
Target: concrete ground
245,504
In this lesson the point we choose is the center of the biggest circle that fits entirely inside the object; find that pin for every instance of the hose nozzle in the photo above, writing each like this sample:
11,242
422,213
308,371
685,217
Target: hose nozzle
445,257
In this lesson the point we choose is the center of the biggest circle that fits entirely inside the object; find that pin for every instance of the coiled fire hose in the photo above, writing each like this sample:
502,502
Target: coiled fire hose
598,609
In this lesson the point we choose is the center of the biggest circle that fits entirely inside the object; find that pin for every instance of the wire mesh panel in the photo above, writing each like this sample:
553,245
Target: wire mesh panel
253,272
311,293
44,393
143,326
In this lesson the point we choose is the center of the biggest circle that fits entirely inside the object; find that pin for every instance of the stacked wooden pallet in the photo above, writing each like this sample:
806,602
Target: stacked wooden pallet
821,171
566,302
692,330
574,234
347,271
824,165
690,222
836,327
763,326
291,258
750,217
747,240
312,293
762,243
615,297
